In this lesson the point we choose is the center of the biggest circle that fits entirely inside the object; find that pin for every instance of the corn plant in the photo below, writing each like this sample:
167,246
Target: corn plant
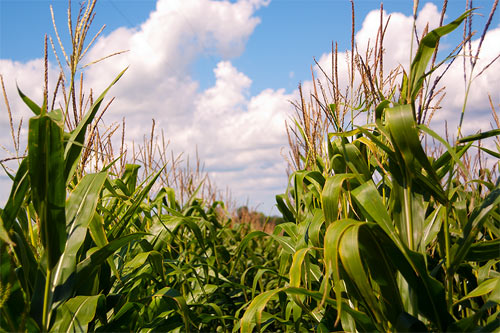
380,235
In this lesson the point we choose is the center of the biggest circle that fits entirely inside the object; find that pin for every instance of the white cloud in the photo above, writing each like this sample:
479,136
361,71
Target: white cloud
239,137
244,135
29,78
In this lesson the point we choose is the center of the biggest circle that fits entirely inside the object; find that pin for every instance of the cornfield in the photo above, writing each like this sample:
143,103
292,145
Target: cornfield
378,231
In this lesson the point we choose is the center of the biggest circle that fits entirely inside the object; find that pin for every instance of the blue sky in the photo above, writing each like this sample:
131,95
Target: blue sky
232,74
290,34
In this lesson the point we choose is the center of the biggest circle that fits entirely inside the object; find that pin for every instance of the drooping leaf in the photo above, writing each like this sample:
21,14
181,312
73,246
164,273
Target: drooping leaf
369,200
253,314
333,235
330,195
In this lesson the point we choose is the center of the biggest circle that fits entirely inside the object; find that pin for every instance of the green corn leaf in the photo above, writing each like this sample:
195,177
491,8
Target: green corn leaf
172,203
283,208
18,192
424,53
450,150
299,192
253,314
122,320
332,261
32,105
488,286
258,278
382,271
404,88
314,228
404,134
356,162
29,267
481,251
369,200
474,224
80,209
86,268
129,178
430,294
363,322
76,314
48,187
244,244
296,271
76,140
480,136
330,195
96,229
379,111
188,222
377,141
4,235
119,227
290,230
490,152
285,242
433,224
349,254
315,178
58,117
155,260
442,165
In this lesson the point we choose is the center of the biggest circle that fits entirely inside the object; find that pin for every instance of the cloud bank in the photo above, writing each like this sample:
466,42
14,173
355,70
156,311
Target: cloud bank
239,137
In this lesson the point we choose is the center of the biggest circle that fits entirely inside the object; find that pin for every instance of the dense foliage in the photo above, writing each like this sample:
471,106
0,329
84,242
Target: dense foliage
377,235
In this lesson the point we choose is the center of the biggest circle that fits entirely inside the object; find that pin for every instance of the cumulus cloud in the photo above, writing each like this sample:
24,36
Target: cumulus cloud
238,136
245,135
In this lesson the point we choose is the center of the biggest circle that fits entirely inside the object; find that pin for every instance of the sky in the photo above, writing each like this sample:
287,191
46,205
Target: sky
219,76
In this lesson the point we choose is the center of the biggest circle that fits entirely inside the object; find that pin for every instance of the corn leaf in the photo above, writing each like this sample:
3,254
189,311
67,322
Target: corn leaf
330,195
80,210
424,53
76,140
48,187
18,192
76,314
86,268
32,105
480,136
474,224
